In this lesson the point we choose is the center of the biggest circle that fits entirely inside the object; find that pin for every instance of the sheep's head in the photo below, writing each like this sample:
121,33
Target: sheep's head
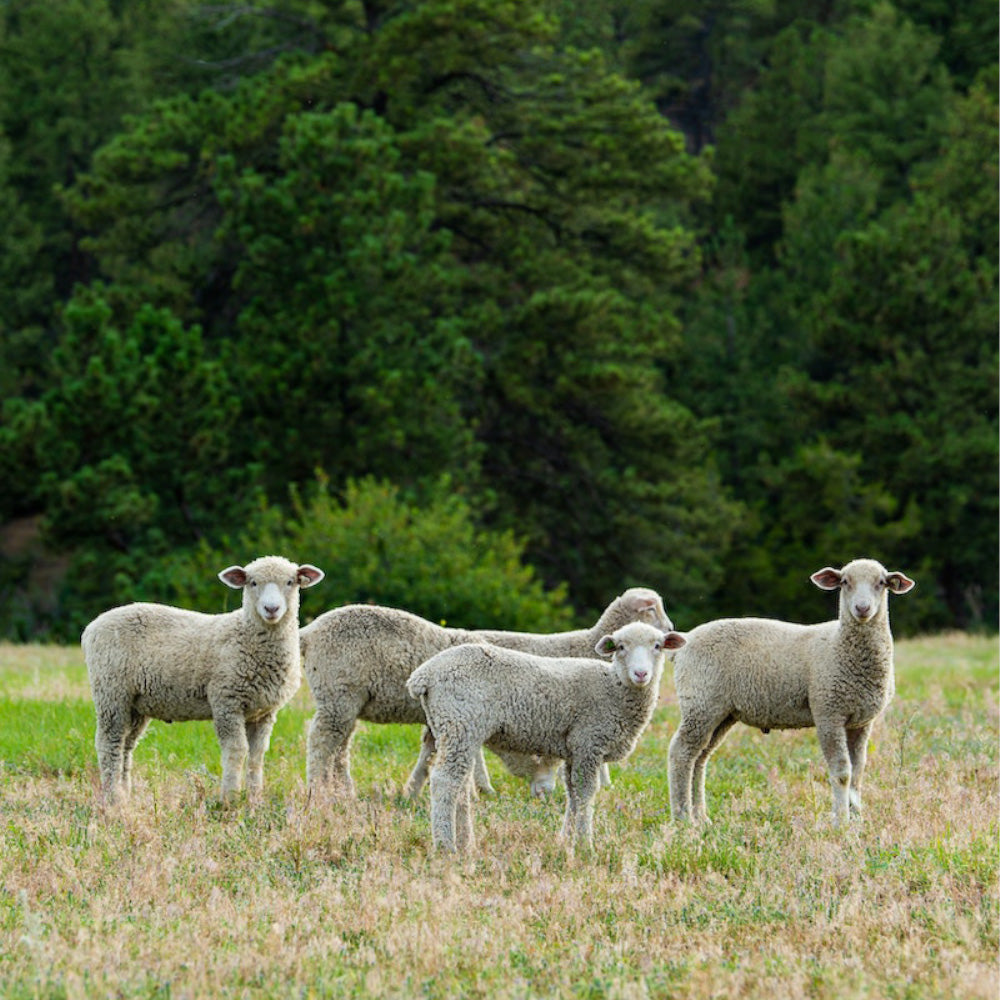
864,586
638,650
271,585
637,604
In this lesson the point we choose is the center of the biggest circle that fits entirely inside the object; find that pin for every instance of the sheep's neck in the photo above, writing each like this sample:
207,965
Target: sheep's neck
870,647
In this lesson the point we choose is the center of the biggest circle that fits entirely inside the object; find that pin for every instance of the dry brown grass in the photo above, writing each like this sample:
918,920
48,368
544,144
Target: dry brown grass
176,897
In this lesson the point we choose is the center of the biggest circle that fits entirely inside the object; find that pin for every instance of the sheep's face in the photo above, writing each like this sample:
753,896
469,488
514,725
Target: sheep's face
271,586
864,587
638,650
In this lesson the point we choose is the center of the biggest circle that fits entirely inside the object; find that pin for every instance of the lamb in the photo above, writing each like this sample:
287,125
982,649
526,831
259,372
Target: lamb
582,711
358,658
836,676
154,661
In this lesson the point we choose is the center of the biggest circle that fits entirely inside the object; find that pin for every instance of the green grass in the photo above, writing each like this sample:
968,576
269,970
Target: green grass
176,896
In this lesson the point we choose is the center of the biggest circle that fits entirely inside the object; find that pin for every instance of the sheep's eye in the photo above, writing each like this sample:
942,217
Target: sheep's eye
253,583
880,585
290,583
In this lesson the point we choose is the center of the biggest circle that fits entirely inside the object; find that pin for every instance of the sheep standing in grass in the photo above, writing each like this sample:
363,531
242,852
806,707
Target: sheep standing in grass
582,711
151,661
358,658
836,676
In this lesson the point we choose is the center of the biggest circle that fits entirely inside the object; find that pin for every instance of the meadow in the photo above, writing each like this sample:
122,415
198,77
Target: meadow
176,896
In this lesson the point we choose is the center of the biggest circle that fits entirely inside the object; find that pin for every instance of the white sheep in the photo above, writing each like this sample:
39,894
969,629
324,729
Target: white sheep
584,712
152,661
358,658
836,676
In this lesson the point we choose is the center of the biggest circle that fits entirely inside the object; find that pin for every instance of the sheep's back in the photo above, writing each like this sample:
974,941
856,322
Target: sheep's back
556,644
507,699
364,653
757,669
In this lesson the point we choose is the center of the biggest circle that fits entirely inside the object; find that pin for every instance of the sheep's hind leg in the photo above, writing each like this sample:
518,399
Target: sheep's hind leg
138,726
110,741
691,738
481,775
328,750
699,810
857,749
450,779
464,834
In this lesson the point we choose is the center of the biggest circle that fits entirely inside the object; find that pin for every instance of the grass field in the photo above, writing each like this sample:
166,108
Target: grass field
177,897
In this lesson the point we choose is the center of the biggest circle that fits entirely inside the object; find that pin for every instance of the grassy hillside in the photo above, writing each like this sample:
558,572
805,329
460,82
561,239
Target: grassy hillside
178,897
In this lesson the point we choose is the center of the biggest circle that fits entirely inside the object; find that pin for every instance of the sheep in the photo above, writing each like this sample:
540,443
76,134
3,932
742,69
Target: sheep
584,712
152,661
836,676
358,658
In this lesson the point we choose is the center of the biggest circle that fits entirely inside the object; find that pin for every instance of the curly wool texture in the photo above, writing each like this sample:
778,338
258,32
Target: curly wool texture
153,661
836,676
583,711
357,660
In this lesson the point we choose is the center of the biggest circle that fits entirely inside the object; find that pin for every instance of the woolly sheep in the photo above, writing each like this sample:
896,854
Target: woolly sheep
582,711
836,676
154,661
357,660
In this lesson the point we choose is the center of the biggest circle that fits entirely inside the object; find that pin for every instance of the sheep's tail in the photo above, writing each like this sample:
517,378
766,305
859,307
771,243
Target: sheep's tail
417,688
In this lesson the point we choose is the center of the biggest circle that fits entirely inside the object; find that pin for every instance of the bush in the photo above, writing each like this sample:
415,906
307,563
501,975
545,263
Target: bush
377,546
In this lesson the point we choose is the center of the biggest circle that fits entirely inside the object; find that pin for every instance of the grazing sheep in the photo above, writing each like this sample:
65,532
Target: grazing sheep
582,711
357,660
836,676
153,661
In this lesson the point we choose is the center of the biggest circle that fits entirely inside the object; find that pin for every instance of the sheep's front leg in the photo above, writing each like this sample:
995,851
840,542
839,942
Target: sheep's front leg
258,740
833,743
231,730
857,748
582,778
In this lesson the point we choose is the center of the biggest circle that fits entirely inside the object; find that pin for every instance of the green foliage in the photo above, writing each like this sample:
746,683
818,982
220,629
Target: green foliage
377,546
856,383
357,298
470,239
449,259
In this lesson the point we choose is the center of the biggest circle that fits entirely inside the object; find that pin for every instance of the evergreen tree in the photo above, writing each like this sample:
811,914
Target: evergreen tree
448,228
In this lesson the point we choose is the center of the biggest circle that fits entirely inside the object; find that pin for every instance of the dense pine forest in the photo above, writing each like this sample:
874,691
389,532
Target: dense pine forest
493,308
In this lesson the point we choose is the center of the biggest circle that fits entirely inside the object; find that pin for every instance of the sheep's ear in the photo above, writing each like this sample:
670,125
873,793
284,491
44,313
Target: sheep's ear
605,646
308,575
898,583
673,640
640,602
235,577
827,578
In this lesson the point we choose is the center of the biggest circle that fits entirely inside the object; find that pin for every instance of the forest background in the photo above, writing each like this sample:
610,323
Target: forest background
493,308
